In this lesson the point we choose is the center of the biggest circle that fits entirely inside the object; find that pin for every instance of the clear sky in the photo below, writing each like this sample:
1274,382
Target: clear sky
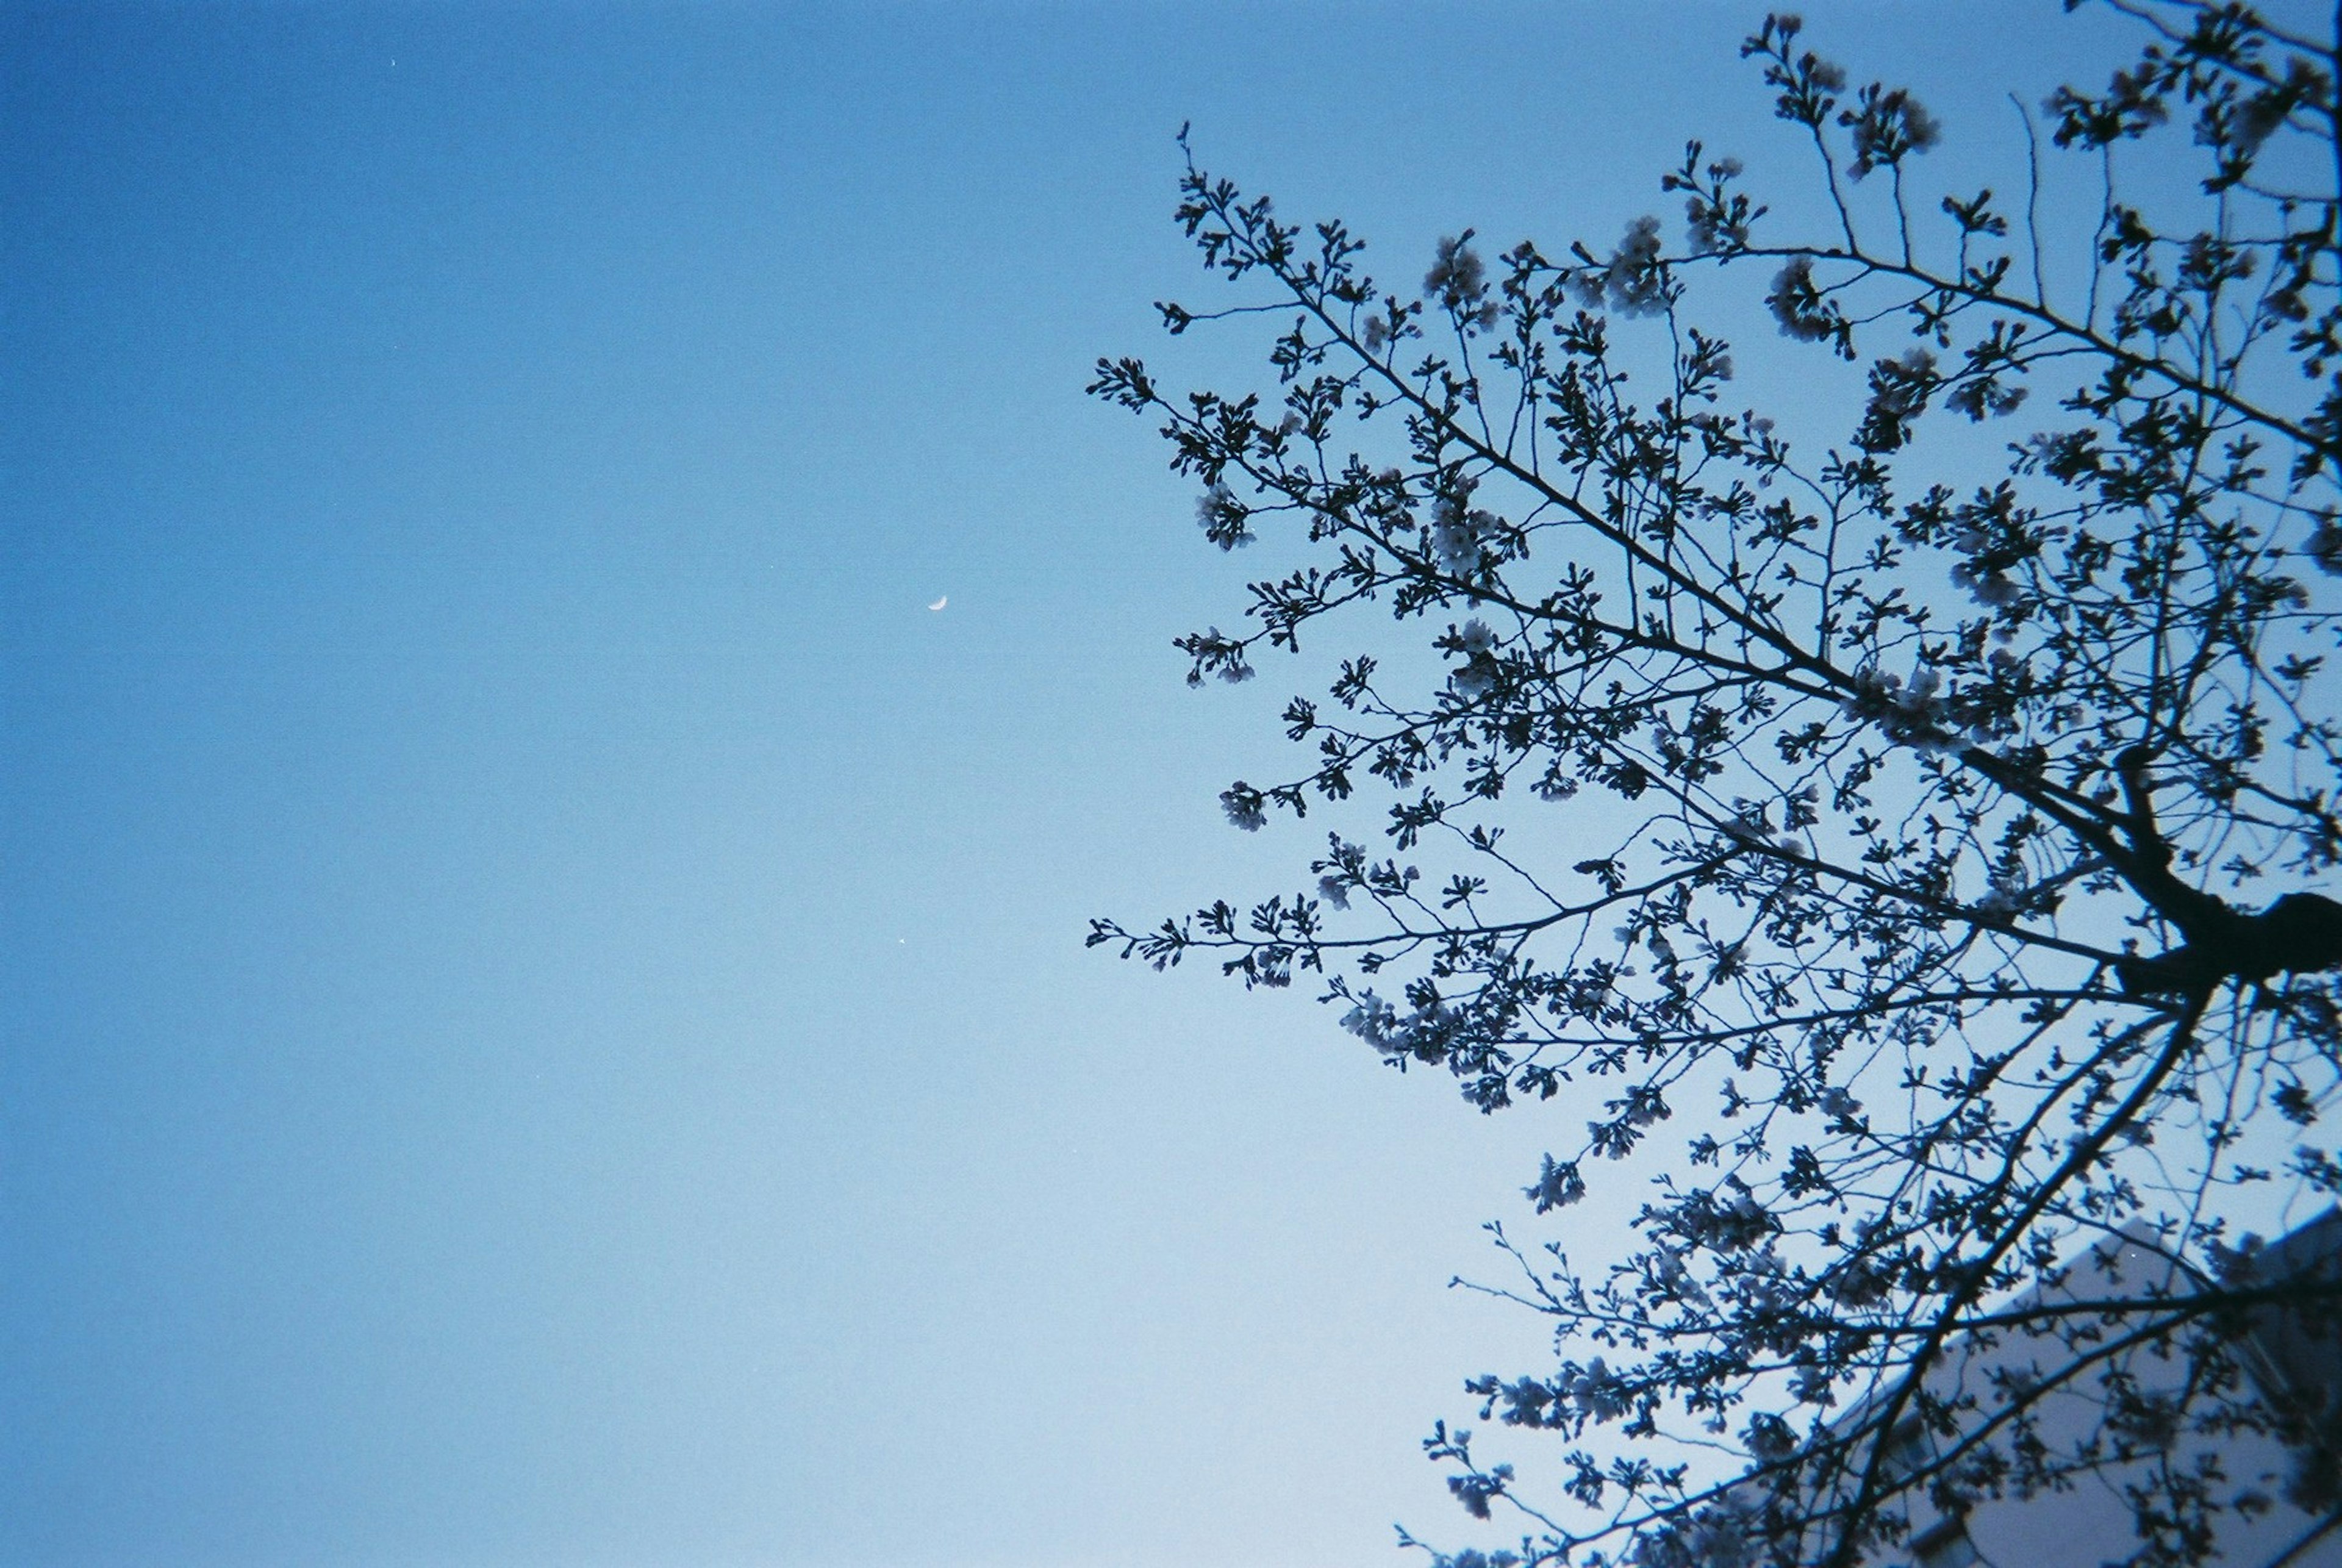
545,1019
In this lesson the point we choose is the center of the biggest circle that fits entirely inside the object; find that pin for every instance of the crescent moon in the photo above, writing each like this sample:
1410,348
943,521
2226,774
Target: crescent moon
941,600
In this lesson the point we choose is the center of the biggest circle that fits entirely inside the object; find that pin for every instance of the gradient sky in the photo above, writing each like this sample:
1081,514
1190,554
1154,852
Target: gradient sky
545,1017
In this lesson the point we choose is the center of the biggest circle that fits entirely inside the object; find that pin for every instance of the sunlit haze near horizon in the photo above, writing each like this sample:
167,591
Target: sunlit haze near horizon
574,664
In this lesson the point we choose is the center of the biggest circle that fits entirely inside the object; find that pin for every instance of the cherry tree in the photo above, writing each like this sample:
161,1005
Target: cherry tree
1887,853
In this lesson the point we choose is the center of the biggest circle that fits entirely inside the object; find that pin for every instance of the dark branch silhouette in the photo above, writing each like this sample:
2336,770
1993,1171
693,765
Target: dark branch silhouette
1951,826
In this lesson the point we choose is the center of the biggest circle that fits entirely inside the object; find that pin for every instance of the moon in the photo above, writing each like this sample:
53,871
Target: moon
941,600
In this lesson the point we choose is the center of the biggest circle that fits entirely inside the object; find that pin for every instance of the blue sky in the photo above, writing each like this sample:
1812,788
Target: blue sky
544,1018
